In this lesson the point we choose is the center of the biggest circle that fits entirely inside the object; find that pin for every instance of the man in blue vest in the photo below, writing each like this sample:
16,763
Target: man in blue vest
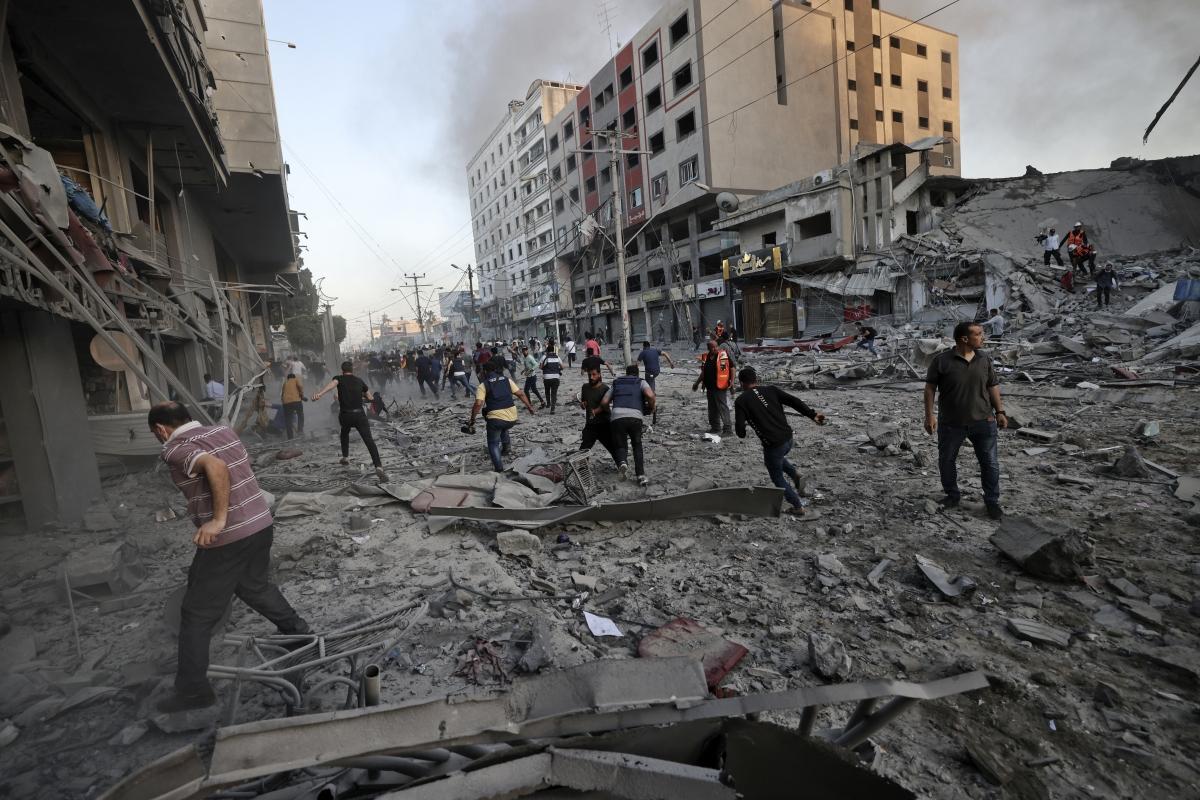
495,395
628,400
551,373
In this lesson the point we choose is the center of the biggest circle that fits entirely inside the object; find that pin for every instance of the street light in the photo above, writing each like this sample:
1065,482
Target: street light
291,45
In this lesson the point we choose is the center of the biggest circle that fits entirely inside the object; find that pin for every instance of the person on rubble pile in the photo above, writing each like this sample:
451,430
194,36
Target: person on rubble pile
627,401
352,393
1051,245
866,338
551,374
762,408
1080,250
529,371
234,532
292,397
596,426
716,377
651,357
495,395
995,324
1106,281
969,407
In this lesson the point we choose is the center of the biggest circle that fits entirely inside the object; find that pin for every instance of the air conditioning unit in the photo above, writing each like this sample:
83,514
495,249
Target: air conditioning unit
823,177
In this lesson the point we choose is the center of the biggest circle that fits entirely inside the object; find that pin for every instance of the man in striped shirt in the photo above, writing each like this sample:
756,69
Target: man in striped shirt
233,539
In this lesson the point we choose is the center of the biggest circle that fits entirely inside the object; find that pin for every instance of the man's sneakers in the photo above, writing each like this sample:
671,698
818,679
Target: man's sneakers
643,480
190,701
948,502
344,461
994,511
796,511
379,473
623,468
726,431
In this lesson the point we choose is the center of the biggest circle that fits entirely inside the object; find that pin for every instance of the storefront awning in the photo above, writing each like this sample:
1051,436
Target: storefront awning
858,284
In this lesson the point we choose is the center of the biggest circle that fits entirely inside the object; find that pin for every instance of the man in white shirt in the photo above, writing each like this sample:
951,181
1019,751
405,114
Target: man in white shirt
995,324
1051,245
213,389
296,367
569,349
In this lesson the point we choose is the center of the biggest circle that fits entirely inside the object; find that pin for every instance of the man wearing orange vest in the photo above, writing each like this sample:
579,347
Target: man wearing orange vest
716,373
1080,250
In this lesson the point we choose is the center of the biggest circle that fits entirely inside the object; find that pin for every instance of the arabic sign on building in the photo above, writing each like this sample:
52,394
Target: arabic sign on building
713,288
653,295
764,260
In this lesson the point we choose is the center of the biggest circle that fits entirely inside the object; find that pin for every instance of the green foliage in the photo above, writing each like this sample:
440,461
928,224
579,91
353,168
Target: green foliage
304,302
339,328
304,332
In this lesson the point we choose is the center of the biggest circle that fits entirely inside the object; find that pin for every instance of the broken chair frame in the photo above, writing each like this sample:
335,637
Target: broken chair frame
284,660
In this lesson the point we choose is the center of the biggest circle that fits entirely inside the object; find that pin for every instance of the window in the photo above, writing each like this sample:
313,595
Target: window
689,171
635,198
849,46
879,115
657,143
568,130
574,194
679,29
947,127
816,225
876,42
606,175
853,124
923,122
768,239
946,92
851,84
632,160
590,184
658,187
895,80
945,57
653,99
633,283
922,86
657,277
682,77
560,205
626,76
629,119
922,50
878,79
894,41
685,125
571,163
650,56
585,117
897,116
553,143
849,5
556,174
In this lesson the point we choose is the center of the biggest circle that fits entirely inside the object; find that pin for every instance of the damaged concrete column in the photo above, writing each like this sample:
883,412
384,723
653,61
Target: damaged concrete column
45,415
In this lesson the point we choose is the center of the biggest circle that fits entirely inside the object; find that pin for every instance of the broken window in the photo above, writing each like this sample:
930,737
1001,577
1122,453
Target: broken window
657,143
653,99
682,77
946,92
626,76
679,29
922,51
879,79
658,187
629,120
922,122
689,171
897,116
686,125
849,46
816,225
657,277
922,86
896,80
853,124
590,184
894,41
851,84
650,56
945,57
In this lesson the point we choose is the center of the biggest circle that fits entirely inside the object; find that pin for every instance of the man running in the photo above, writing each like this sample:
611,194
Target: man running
551,373
596,417
352,393
427,373
529,370
456,371
495,396
650,357
762,408
569,349
592,360
629,399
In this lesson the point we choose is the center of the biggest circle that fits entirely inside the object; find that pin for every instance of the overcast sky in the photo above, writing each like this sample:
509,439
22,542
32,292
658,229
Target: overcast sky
382,103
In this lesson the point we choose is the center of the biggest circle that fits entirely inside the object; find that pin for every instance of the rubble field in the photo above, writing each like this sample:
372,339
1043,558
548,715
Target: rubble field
1081,606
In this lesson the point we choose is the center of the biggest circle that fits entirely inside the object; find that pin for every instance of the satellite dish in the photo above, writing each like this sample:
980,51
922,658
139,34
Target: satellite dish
727,202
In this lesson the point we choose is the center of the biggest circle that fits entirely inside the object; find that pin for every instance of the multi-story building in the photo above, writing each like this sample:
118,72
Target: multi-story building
510,209
738,98
153,198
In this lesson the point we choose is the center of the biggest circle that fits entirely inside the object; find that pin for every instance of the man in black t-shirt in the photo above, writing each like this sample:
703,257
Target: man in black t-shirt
593,361
352,392
762,408
597,417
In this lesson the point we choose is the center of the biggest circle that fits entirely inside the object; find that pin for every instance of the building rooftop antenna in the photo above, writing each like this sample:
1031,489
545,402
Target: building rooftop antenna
604,10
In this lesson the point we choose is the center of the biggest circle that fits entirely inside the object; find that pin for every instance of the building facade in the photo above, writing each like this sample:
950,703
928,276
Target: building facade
145,198
710,97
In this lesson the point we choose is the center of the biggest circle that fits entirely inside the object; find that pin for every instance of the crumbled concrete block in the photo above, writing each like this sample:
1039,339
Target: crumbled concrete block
582,581
518,543
115,566
827,656
129,734
1039,551
1038,434
883,435
1131,464
1125,587
827,562
1141,611
1147,428
1038,633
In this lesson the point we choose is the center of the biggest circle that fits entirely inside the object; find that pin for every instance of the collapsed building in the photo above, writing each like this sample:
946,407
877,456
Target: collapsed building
144,226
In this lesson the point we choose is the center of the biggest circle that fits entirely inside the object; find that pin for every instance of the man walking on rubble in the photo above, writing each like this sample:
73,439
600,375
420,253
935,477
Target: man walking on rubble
716,377
762,408
596,417
650,356
427,373
627,401
551,374
495,395
592,360
1050,247
529,370
456,371
234,532
969,408
1080,250
995,324
1106,281
866,338
352,392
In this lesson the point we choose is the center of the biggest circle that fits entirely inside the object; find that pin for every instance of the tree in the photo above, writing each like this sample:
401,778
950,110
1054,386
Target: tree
339,328
304,332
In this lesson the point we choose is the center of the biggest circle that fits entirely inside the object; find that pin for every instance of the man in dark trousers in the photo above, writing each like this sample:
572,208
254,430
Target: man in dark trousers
427,373
866,338
715,370
1106,281
650,356
592,360
456,371
596,416
352,392
969,407
495,395
762,408
234,531
551,374
628,400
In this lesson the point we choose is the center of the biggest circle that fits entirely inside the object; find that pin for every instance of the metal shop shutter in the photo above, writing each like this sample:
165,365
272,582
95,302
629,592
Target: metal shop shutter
823,312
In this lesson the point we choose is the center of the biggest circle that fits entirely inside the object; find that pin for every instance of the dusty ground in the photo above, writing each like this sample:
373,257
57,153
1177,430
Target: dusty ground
1098,719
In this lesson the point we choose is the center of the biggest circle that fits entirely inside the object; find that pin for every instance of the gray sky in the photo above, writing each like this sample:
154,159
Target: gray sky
381,108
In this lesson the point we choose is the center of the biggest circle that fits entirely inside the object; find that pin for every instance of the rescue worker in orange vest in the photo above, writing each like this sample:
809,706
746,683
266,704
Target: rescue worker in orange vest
716,374
1080,250
718,329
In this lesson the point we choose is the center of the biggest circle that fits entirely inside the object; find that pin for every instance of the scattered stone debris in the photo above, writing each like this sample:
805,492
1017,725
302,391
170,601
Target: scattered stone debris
1039,551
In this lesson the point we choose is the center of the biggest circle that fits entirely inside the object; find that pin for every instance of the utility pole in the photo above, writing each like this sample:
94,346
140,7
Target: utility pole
370,327
417,287
471,292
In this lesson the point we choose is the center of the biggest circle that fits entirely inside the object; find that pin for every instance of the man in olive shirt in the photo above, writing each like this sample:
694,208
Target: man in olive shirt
969,407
